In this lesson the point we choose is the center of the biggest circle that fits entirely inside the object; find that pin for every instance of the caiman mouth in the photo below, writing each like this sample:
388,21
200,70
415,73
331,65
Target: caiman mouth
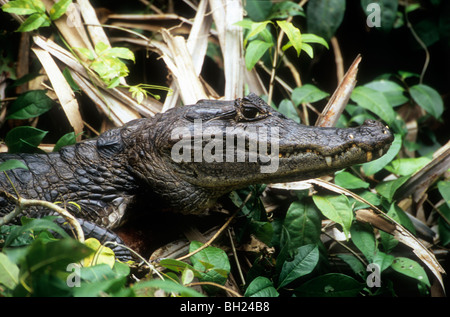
342,155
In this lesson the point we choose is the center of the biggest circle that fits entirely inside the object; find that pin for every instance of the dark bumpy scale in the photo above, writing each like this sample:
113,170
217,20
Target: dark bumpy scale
187,157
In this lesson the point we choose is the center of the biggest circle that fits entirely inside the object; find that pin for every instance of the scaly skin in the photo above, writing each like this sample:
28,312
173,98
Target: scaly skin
106,175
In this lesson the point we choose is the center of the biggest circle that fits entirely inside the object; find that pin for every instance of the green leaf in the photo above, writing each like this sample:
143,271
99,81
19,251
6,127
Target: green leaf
59,8
212,262
258,10
428,98
294,35
120,52
302,224
312,38
30,104
178,266
407,166
349,181
444,190
303,263
337,209
364,239
410,268
324,17
24,139
109,68
330,285
52,256
288,109
12,164
9,272
255,50
355,264
383,260
34,225
86,52
24,7
387,189
307,93
285,9
375,102
261,287
373,167
33,22
393,92
167,286
67,139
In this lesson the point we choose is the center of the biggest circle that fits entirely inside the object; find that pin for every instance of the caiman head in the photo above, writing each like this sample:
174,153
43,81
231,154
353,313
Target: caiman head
194,154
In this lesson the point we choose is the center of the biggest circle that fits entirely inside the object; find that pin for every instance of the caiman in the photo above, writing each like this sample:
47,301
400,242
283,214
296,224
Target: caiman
186,158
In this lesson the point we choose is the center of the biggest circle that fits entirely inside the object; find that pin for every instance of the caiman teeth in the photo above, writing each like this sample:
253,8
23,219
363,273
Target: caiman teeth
380,153
328,160
369,156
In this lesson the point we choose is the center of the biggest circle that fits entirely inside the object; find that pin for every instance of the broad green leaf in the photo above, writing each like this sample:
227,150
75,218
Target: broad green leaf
101,47
285,9
393,92
387,189
24,139
59,8
109,68
307,93
255,50
99,280
407,166
444,190
375,102
302,223
330,285
33,22
349,181
373,167
9,272
337,209
294,35
34,225
261,287
383,260
67,139
288,109
101,255
120,52
30,104
187,276
303,263
256,28
168,286
308,49
258,10
355,264
410,268
86,52
52,256
427,98
212,262
24,7
364,239
324,17
312,38
178,266
12,164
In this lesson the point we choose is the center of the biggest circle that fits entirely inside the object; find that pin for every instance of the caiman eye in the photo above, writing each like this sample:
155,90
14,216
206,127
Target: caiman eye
250,112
